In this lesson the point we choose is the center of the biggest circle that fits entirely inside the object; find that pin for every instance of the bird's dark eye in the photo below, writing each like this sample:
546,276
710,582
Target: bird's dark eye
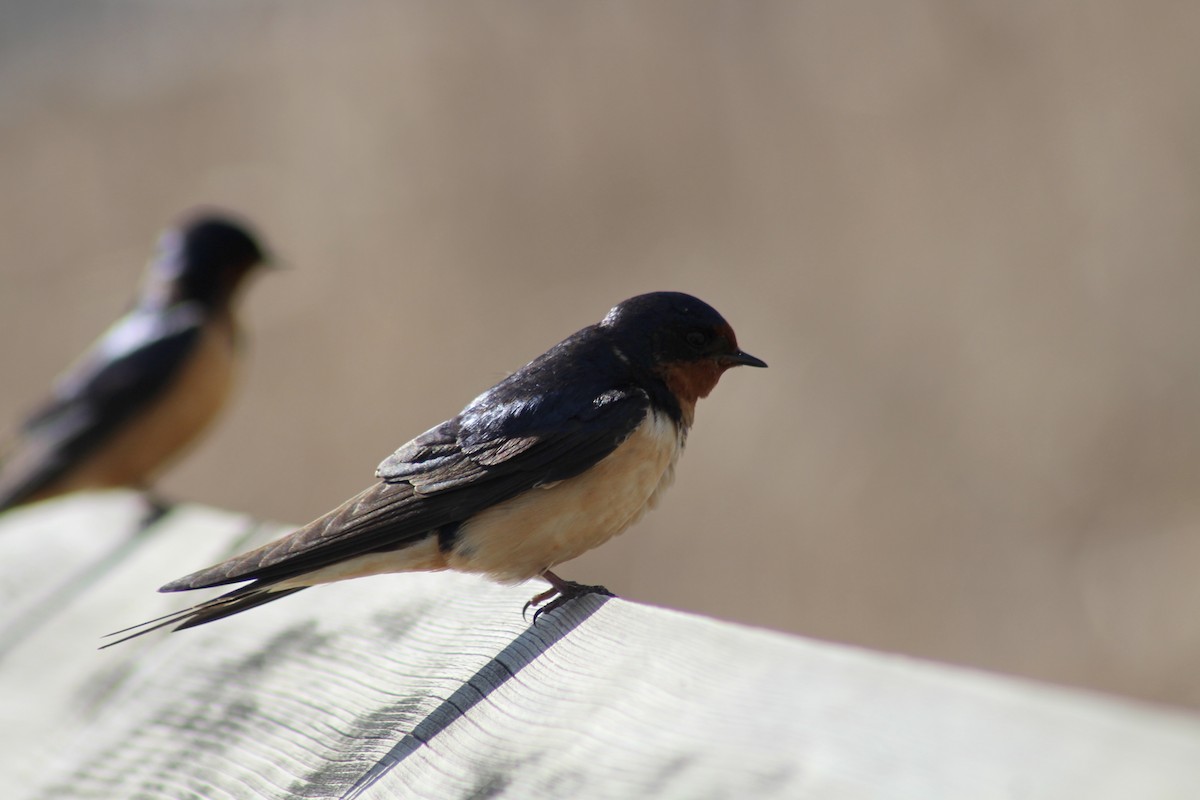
697,339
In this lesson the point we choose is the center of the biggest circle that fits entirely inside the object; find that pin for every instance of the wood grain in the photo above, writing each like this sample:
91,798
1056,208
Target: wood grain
432,686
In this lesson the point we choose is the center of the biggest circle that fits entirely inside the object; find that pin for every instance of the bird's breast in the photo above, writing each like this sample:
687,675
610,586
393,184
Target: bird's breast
520,538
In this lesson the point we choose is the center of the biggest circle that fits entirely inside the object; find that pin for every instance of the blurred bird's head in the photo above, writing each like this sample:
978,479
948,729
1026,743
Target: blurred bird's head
204,259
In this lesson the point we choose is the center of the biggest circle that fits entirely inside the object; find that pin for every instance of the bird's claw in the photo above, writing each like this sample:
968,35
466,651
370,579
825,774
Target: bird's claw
567,592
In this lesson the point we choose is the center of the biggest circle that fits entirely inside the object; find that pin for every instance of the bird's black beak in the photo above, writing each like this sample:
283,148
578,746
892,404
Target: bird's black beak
742,359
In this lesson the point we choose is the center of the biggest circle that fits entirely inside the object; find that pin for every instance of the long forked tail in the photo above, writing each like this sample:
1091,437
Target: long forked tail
226,605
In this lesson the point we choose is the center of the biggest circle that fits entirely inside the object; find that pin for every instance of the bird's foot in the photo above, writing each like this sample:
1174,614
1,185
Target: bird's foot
563,592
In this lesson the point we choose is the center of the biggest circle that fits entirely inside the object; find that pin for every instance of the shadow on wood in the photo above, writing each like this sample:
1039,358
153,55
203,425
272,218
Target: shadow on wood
508,662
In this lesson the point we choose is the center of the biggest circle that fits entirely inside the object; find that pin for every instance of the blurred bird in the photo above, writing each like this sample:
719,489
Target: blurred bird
554,460
151,383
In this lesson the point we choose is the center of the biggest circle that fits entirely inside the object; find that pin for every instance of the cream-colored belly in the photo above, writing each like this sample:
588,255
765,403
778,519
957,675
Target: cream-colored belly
160,432
532,532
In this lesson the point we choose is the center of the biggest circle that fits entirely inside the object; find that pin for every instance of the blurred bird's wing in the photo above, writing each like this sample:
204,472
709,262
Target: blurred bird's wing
493,451
125,370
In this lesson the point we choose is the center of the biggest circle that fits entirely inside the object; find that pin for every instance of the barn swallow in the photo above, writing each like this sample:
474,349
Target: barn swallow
556,459
152,382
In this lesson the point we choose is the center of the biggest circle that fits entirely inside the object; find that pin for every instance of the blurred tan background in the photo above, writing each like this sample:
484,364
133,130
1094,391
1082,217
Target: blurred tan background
964,235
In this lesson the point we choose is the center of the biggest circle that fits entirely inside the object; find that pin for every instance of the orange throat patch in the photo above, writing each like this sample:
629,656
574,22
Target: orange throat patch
691,380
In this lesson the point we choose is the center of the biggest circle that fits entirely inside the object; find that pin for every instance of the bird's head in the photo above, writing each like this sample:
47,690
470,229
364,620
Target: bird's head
205,258
681,340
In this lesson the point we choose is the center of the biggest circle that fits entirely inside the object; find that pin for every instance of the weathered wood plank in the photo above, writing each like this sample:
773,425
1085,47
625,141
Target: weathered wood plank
46,562
70,569
433,686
